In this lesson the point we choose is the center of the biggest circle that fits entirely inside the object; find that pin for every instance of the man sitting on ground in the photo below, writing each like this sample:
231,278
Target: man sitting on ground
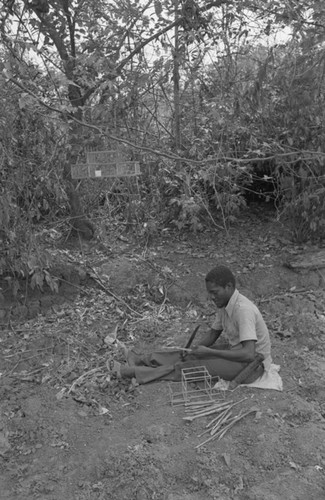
237,318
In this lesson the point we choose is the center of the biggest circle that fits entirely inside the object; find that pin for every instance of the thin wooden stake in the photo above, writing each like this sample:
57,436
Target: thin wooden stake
216,419
208,411
234,422
216,428
228,408
220,434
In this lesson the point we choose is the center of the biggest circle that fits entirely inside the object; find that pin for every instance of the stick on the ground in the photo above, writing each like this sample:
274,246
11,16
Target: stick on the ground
214,408
204,413
230,407
83,376
96,278
224,419
234,421
220,434
201,407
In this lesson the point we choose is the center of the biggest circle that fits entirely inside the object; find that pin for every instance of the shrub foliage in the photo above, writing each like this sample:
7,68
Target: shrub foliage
218,112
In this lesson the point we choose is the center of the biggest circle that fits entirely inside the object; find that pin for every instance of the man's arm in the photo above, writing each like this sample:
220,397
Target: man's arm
245,354
210,338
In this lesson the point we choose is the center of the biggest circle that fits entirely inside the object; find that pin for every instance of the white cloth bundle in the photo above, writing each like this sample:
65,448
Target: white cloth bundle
269,380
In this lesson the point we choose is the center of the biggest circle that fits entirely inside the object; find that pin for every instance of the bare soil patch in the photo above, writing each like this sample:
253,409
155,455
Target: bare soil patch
68,431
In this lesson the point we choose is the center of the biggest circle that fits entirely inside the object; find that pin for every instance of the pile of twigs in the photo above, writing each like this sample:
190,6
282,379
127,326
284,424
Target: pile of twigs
217,427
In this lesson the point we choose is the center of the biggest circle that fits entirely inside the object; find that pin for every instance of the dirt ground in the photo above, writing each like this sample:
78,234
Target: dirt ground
69,431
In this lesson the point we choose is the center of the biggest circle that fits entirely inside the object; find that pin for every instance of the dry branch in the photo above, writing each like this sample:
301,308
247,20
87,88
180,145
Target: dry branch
223,425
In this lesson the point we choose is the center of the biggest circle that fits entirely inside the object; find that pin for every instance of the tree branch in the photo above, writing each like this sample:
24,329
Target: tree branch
71,26
309,154
217,3
143,44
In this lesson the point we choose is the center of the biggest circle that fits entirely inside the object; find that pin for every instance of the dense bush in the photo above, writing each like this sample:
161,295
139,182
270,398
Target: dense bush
305,215
30,185
209,131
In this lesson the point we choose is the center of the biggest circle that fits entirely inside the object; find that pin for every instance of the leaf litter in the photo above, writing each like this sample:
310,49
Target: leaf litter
73,345
68,350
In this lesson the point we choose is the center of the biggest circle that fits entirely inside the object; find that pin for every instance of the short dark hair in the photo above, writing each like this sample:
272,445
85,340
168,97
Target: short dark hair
221,275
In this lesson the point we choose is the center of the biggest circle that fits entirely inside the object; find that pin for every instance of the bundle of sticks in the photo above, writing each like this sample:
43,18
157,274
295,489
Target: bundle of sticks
217,427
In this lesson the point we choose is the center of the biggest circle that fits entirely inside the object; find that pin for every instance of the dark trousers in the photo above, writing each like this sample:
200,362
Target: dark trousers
164,365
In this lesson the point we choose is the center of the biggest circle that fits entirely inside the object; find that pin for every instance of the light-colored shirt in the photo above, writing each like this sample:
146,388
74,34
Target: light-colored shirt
241,320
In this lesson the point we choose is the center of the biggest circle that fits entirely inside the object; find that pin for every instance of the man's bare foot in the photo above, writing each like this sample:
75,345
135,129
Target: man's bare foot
132,358
120,371
114,368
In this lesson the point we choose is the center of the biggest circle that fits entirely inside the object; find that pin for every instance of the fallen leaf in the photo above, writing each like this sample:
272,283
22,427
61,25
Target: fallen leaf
111,337
122,238
167,270
82,413
60,394
240,485
226,458
102,410
4,443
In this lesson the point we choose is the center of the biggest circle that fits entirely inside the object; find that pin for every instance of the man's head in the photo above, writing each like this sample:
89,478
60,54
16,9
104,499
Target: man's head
221,284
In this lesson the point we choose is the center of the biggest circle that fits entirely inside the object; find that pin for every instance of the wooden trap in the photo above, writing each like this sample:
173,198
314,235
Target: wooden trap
196,385
103,164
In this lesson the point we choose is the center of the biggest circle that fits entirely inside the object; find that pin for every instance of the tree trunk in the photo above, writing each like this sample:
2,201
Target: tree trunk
177,127
81,225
